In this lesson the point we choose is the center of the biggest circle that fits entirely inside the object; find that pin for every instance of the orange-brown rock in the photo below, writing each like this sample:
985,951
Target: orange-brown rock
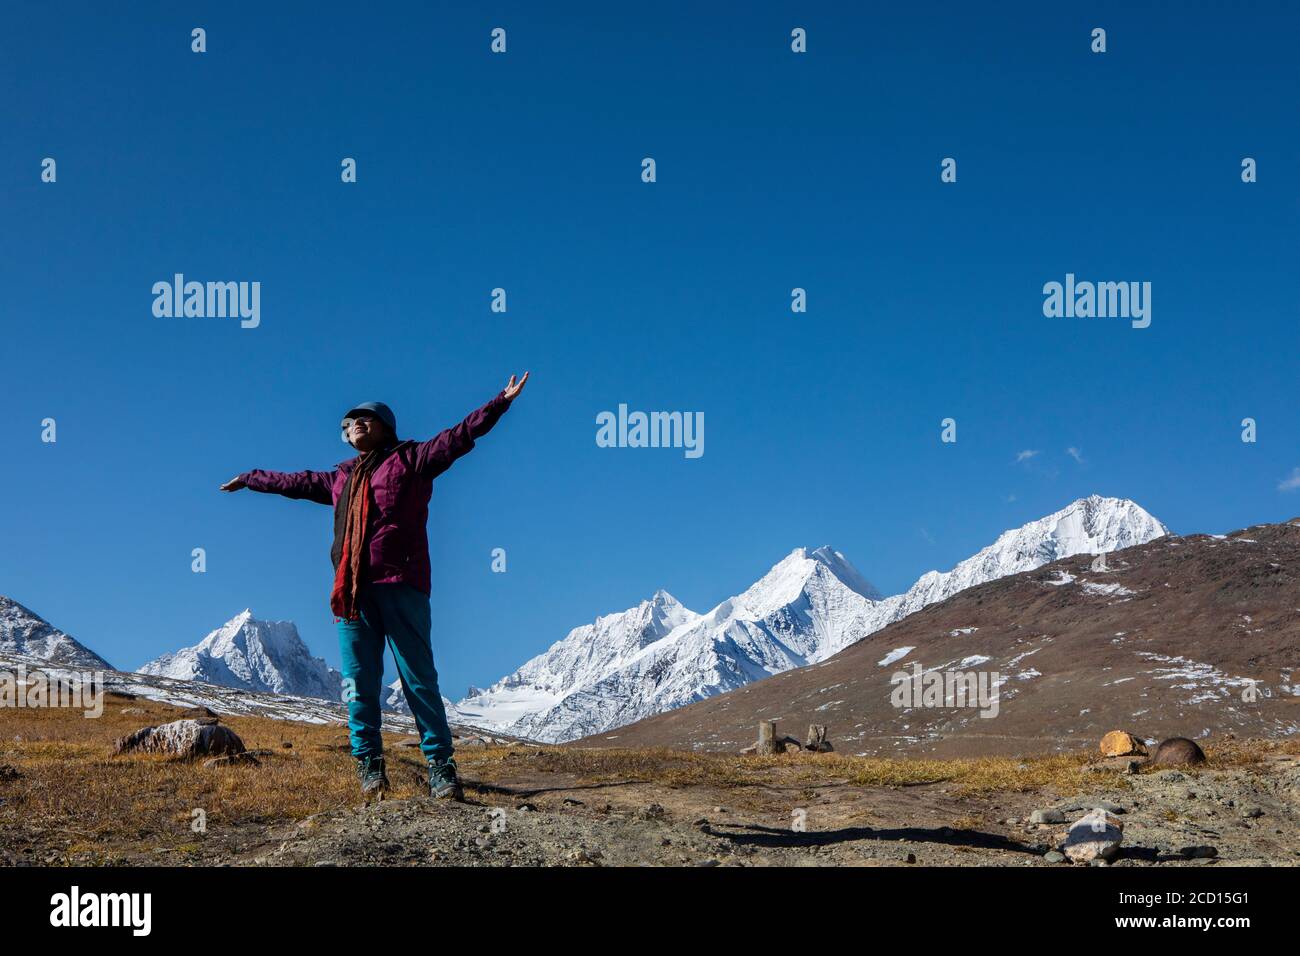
1119,743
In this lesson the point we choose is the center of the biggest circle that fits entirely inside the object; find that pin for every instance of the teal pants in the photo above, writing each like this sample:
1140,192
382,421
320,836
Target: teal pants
399,614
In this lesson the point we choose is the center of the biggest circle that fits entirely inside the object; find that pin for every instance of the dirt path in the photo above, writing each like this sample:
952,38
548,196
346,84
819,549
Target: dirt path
1249,817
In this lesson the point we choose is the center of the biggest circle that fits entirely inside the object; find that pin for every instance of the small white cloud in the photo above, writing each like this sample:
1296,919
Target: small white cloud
1025,455
1291,482
1075,454
927,536
1010,498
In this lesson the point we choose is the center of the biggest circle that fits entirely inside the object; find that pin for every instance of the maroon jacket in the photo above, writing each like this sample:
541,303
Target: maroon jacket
401,487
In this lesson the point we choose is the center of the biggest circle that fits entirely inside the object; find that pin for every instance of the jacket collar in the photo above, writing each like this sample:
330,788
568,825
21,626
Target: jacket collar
347,466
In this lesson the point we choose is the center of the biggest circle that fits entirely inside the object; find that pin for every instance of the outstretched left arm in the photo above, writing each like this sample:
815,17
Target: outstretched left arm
436,455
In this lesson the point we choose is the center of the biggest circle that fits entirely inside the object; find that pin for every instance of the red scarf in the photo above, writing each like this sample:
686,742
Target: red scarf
356,511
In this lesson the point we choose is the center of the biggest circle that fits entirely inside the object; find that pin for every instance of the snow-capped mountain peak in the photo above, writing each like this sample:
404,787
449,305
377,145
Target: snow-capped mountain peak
820,570
666,612
806,608
254,655
583,657
1092,525
846,572
25,633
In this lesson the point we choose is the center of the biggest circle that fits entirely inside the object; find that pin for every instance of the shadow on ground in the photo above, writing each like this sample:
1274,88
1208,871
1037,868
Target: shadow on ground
742,834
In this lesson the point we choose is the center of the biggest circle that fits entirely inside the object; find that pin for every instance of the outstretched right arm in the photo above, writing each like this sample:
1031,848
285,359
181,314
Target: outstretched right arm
313,485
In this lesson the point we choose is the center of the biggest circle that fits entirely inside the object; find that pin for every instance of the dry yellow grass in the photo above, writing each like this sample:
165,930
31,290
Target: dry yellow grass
1230,753
72,793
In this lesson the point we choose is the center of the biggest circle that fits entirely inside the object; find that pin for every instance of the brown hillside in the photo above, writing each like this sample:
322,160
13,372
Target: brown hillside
1164,643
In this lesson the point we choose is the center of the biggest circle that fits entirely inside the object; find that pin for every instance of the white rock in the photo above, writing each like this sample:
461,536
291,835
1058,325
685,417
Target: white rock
1095,835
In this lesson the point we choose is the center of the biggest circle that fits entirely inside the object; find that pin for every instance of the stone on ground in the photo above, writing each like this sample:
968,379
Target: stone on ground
1178,752
1094,836
1119,743
183,738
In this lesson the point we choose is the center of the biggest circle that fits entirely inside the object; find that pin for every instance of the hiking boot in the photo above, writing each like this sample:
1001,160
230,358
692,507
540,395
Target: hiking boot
374,779
444,782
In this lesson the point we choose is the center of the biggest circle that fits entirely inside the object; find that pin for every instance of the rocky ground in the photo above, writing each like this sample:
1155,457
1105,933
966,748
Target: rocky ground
1233,817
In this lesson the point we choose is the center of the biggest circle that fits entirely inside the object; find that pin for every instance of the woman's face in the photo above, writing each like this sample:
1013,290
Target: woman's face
366,432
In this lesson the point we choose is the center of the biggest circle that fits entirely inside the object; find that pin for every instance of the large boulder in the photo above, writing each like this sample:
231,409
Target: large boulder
1119,743
1178,752
183,738
1094,836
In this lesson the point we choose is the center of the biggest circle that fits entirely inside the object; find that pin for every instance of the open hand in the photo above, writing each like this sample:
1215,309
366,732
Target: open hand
234,484
511,388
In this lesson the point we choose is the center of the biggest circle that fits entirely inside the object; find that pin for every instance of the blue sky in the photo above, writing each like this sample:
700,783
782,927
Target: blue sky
522,170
